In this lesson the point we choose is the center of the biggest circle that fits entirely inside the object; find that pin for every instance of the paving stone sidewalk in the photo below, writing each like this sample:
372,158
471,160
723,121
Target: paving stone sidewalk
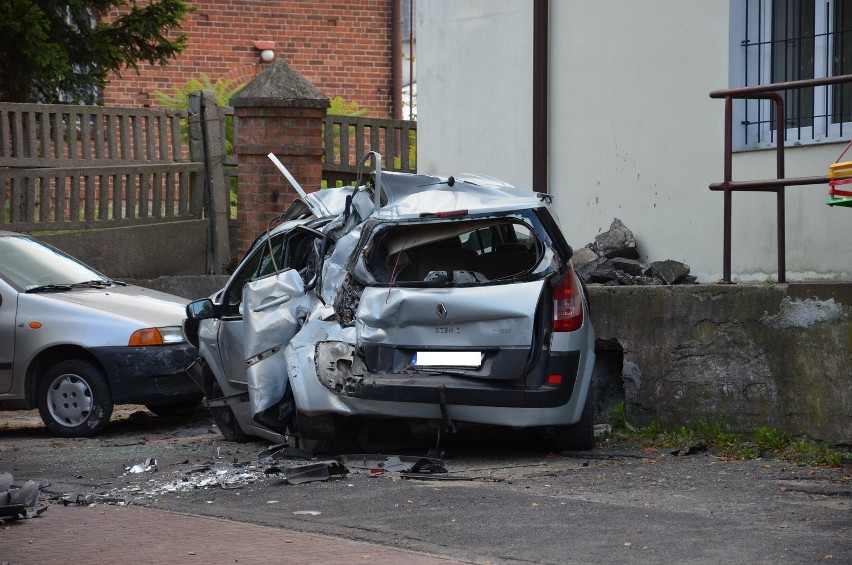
135,535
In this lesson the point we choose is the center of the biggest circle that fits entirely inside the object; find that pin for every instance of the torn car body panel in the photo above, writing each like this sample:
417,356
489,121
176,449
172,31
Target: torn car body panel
273,309
441,317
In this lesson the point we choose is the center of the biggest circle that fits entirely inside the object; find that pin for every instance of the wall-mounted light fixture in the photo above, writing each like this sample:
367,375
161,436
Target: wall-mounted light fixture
266,48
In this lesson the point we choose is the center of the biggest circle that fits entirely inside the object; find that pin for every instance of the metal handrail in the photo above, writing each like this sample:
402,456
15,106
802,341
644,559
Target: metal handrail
777,185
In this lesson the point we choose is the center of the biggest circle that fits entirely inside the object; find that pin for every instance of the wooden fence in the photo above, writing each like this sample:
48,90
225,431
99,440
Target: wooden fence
76,167
347,139
73,167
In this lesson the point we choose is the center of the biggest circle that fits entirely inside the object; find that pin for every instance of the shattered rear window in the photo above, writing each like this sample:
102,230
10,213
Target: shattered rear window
456,252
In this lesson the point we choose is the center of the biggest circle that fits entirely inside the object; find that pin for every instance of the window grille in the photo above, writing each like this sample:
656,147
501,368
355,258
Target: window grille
788,40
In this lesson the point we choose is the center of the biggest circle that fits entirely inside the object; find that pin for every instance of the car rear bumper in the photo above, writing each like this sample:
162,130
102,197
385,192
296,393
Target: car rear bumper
149,375
422,396
428,389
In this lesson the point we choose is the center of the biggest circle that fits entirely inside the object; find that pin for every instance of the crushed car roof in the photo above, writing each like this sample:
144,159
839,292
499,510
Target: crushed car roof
406,196
418,195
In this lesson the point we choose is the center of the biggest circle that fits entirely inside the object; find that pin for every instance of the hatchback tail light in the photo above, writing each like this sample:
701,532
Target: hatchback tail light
568,303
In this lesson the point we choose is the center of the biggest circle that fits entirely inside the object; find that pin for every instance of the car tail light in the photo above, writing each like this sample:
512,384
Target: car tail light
568,304
156,336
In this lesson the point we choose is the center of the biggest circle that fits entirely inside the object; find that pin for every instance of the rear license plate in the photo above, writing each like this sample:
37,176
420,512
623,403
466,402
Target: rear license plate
447,359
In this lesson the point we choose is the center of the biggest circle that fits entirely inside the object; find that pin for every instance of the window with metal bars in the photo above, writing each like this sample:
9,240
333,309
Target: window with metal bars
787,40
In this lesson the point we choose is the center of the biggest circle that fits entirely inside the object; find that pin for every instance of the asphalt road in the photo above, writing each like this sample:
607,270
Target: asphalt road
504,500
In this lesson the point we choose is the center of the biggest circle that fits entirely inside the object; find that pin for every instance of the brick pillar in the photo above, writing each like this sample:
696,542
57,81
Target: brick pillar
278,112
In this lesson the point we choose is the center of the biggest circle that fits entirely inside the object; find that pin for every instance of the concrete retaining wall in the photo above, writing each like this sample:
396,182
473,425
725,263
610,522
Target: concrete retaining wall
190,287
151,250
763,355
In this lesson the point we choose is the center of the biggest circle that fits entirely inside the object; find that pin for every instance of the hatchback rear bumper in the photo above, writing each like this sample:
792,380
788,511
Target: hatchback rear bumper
424,388
422,396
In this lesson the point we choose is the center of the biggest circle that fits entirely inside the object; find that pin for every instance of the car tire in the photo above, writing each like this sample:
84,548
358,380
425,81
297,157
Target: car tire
224,417
579,436
183,408
74,399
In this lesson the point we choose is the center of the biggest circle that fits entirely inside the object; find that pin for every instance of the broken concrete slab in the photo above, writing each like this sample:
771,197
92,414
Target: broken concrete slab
669,271
582,257
632,267
618,241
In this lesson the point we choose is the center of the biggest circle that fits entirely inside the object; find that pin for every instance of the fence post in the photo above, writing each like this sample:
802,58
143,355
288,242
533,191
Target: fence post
196,155
279,112
210,120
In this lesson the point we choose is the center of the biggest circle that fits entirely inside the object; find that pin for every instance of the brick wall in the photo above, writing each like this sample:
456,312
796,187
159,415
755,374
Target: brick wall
342,47
295,135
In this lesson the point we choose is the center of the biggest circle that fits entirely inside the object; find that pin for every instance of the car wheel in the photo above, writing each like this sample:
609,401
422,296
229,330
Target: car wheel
225,418
579,436
184,408
74,399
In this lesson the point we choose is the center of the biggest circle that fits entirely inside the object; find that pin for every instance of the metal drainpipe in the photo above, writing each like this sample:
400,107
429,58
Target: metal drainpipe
540,145
396,58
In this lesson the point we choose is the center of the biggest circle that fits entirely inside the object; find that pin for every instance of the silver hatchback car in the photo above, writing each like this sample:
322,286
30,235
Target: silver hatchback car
74,343
429,301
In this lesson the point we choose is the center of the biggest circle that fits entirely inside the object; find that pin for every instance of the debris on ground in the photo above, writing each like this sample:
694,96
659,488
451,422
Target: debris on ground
690,450
284,451
91,500
19,502
377,465
311,472
150,465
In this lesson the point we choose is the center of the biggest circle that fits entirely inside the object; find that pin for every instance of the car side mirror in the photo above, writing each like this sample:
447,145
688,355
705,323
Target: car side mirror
201,309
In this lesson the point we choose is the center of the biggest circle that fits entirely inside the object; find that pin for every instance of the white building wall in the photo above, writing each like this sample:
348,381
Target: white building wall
633,132
475,92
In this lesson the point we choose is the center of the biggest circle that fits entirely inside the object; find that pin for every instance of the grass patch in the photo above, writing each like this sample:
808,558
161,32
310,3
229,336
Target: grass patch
764,442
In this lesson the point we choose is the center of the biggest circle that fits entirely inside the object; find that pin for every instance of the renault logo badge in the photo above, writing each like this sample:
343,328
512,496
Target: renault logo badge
441,310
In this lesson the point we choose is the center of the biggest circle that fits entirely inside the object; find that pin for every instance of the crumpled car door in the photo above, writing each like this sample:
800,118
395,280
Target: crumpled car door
273,310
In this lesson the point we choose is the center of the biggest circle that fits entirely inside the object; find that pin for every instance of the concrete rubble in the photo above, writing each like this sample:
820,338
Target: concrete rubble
613,259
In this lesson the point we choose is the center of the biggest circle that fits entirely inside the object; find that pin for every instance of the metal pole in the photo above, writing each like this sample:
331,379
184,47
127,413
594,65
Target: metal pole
726,238
411,81
540,145
780,120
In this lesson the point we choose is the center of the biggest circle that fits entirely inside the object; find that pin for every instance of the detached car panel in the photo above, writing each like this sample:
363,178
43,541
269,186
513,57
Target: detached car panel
444,300
74,342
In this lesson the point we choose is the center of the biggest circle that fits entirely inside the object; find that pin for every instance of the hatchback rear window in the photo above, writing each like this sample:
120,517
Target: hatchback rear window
457,252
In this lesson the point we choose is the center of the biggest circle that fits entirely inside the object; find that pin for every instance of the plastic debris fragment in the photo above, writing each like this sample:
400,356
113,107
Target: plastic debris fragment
150,465
18,502
310,472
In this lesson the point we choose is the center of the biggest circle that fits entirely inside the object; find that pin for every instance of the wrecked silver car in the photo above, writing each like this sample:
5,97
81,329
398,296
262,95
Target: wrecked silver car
439,301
